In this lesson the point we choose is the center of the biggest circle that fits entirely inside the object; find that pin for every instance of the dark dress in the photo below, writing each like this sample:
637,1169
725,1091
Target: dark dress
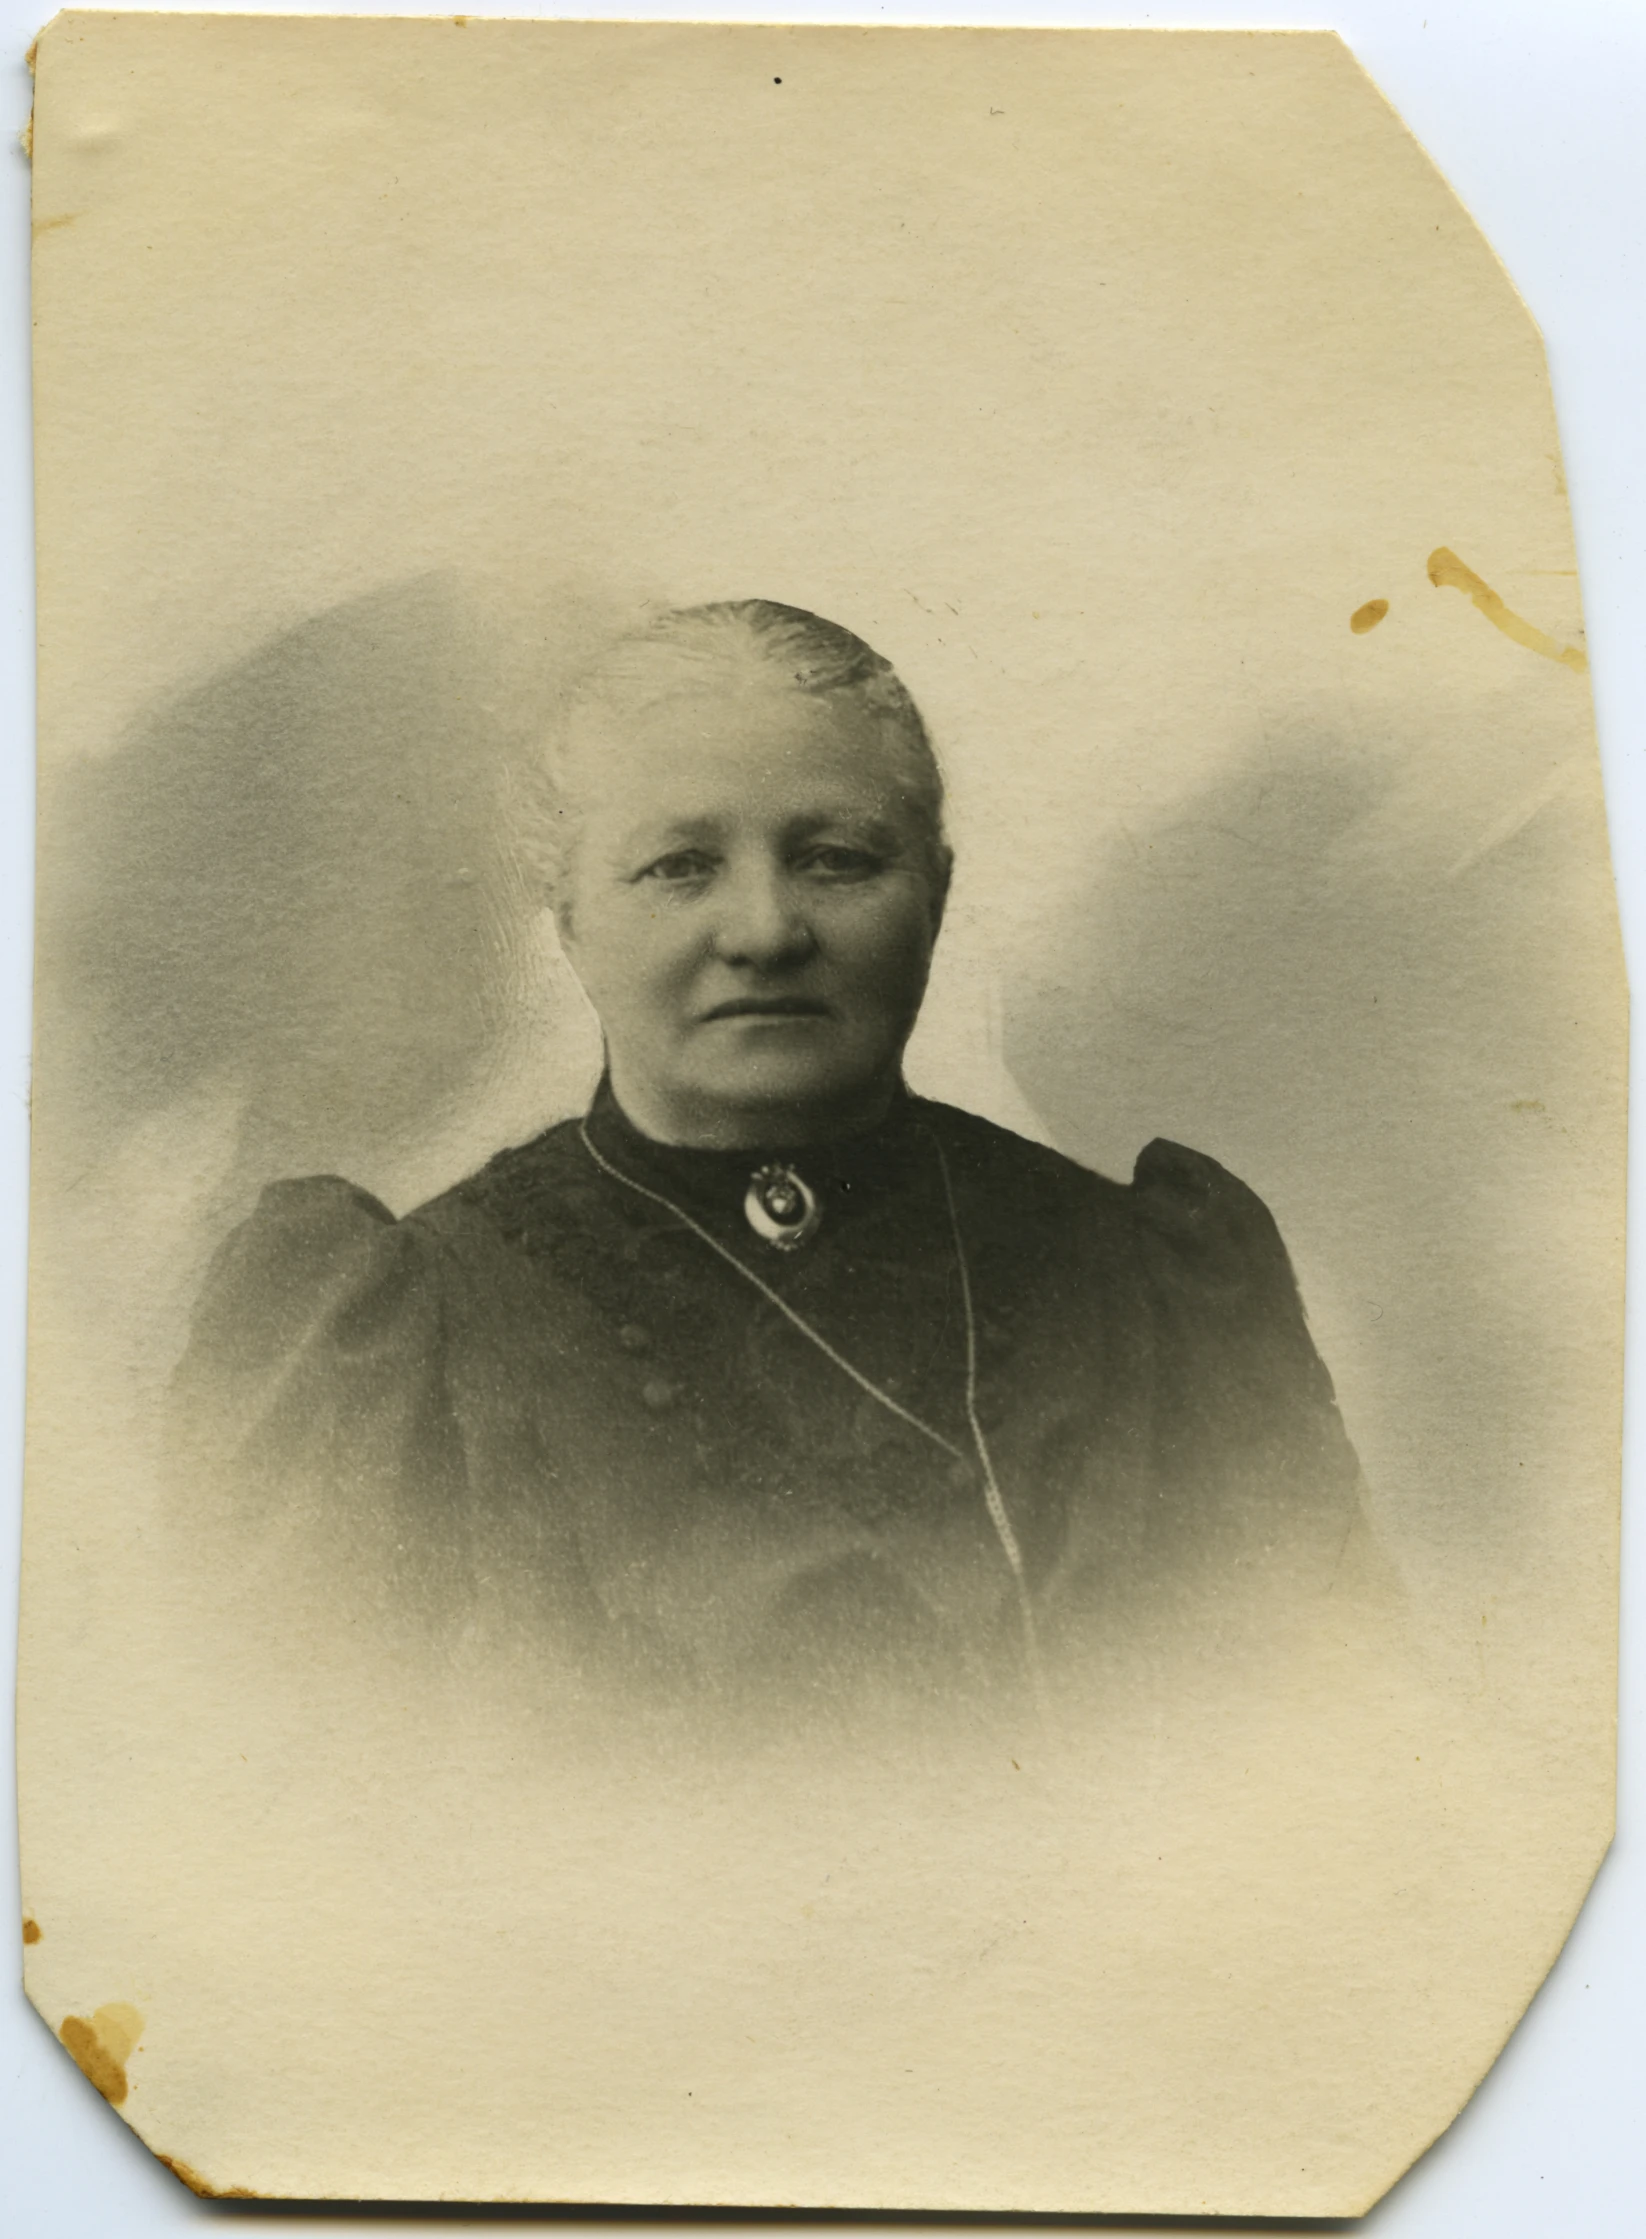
545,1398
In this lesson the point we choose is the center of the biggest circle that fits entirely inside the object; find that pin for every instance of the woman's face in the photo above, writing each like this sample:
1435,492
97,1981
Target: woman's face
751,907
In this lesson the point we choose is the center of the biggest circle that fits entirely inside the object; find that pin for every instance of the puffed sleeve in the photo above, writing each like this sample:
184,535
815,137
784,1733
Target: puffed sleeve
1250,1449
310,1410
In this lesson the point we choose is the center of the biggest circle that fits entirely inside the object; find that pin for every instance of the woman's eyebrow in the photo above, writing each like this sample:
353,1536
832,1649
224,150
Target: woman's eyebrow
872,829
650,836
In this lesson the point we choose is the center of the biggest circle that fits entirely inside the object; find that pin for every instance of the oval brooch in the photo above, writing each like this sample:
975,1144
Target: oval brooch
781,1208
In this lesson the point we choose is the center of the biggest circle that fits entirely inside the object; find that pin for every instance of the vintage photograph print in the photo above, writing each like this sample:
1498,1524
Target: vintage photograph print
826,1287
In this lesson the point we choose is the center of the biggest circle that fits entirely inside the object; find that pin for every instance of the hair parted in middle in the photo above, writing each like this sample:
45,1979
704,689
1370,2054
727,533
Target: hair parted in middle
751,640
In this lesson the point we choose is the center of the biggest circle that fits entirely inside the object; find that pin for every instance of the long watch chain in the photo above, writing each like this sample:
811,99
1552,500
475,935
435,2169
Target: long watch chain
995,1499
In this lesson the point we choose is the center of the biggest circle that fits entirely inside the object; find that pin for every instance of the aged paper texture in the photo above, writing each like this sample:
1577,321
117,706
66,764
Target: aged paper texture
759,747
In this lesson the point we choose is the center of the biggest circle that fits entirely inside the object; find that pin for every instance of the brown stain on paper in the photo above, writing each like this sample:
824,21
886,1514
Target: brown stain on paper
25,139
101,2047
31,1931
1368,617
187,2174
1447,572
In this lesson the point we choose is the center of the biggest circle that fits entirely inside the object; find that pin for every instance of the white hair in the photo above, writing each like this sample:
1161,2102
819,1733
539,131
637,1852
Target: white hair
735,639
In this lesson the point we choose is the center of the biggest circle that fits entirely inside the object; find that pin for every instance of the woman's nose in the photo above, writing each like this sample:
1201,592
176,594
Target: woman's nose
761,920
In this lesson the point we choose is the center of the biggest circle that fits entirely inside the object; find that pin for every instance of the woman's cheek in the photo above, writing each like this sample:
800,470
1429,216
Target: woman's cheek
894,934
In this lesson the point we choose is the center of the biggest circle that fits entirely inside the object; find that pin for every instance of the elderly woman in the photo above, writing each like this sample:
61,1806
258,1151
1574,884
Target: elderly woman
765,1370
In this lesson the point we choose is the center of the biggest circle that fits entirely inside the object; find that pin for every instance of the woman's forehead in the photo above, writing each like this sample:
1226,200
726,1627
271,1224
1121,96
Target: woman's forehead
731,743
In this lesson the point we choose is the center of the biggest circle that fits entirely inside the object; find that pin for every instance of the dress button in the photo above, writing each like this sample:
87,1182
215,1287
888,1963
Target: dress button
659,1395
634,1338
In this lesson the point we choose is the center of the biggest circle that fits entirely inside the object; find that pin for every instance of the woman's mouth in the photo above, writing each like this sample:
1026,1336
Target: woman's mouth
769,1006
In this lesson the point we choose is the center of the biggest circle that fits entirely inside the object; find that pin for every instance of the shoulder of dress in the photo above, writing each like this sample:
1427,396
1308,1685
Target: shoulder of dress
516,1192
1206,1224
320,1219
326,1222
995,1156
311,1252
319,1198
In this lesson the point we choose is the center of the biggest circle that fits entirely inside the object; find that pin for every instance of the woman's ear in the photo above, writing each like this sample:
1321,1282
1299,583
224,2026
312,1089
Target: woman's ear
942,873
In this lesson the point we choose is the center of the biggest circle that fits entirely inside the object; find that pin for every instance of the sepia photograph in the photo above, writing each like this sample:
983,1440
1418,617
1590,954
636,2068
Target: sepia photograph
764,1386
825,1346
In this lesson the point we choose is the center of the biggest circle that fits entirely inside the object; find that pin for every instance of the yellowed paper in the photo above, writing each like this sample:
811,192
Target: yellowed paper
1150,406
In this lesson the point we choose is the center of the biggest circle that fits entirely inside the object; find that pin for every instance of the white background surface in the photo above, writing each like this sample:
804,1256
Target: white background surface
1536,112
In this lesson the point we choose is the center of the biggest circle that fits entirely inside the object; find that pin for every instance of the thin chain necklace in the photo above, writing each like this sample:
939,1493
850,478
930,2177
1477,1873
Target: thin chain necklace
992,1494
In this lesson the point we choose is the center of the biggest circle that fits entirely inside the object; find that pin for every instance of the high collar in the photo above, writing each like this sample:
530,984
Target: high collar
849,1172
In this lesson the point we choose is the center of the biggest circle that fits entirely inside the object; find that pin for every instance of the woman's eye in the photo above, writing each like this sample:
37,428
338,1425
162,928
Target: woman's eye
841,862
680,868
